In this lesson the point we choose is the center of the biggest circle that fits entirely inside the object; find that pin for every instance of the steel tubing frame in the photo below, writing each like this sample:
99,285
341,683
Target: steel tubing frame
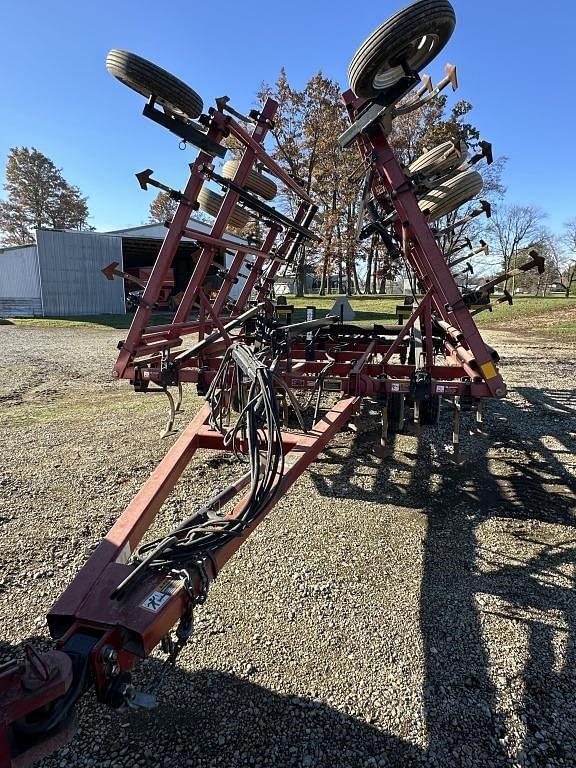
419,246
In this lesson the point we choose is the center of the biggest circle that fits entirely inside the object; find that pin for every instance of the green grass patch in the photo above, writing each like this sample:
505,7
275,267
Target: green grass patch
526,308
546,316
565,330
368,309
523,315
104,322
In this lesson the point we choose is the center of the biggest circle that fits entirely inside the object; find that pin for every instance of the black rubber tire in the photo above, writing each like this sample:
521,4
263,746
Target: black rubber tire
255,182
375,65
450,194
395,408
150,80
433,162
210,202
430,411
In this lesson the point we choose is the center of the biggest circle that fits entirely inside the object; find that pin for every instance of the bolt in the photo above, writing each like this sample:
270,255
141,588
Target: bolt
109,654
114,669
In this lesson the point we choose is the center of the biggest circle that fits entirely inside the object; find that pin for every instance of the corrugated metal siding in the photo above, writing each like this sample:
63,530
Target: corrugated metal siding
19,282
70,276
11,307
158,231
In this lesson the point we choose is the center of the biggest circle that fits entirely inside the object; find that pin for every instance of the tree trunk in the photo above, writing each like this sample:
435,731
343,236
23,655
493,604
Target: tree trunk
357,288
322,291
301,273
348,276
571,276
369,258
325,264
368,284
349,251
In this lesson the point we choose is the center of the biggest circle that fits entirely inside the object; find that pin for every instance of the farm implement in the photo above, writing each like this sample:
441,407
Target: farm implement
275,393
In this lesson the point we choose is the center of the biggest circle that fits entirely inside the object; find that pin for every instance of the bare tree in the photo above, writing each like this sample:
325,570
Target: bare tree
568,262
307,126
511,229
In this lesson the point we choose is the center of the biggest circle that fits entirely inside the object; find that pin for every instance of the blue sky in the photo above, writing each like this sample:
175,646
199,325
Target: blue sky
513,59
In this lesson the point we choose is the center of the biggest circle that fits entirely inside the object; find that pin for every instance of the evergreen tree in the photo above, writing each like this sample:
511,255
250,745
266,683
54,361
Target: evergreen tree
38,196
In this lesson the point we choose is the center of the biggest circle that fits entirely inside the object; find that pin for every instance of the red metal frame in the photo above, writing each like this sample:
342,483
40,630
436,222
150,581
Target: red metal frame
423,254
126,626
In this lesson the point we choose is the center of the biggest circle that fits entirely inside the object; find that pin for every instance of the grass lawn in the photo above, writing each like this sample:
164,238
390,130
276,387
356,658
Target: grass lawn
554,316
82,321
529,307
546,316
368,309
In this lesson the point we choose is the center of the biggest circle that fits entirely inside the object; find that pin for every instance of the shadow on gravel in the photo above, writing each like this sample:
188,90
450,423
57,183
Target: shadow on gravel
211,718
9,651
513,477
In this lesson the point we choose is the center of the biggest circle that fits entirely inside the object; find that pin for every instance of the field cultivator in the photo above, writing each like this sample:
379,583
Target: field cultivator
275,393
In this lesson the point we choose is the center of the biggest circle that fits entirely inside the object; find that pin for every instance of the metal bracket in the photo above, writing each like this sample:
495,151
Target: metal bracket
485,151
223,106
185,131
380,108
450,79
259,207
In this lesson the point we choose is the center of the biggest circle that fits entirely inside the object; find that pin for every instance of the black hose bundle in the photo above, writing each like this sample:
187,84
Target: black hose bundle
244,383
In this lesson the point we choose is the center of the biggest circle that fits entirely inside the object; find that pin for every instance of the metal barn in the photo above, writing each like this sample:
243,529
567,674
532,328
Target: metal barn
60,275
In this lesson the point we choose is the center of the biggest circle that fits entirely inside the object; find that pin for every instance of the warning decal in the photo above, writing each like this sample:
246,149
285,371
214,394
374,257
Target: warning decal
161,595
489,371
155,601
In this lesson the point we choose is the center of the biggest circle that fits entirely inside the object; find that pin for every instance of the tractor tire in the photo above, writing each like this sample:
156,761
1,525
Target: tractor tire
450,194
210,202
414,35
433,162
430,411
395,408
150,80
255,182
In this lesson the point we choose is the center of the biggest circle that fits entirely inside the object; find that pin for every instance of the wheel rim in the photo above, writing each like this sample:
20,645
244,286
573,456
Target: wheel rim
417,53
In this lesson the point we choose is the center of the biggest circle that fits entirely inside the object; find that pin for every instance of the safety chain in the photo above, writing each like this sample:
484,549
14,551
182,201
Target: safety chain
185,626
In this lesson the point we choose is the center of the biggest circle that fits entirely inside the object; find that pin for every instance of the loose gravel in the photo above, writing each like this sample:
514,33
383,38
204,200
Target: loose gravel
411,611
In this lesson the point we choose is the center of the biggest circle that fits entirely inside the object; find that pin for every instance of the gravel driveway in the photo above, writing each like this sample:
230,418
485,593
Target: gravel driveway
399,612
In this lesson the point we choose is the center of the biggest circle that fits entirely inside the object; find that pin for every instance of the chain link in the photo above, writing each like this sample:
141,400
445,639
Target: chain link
185,626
